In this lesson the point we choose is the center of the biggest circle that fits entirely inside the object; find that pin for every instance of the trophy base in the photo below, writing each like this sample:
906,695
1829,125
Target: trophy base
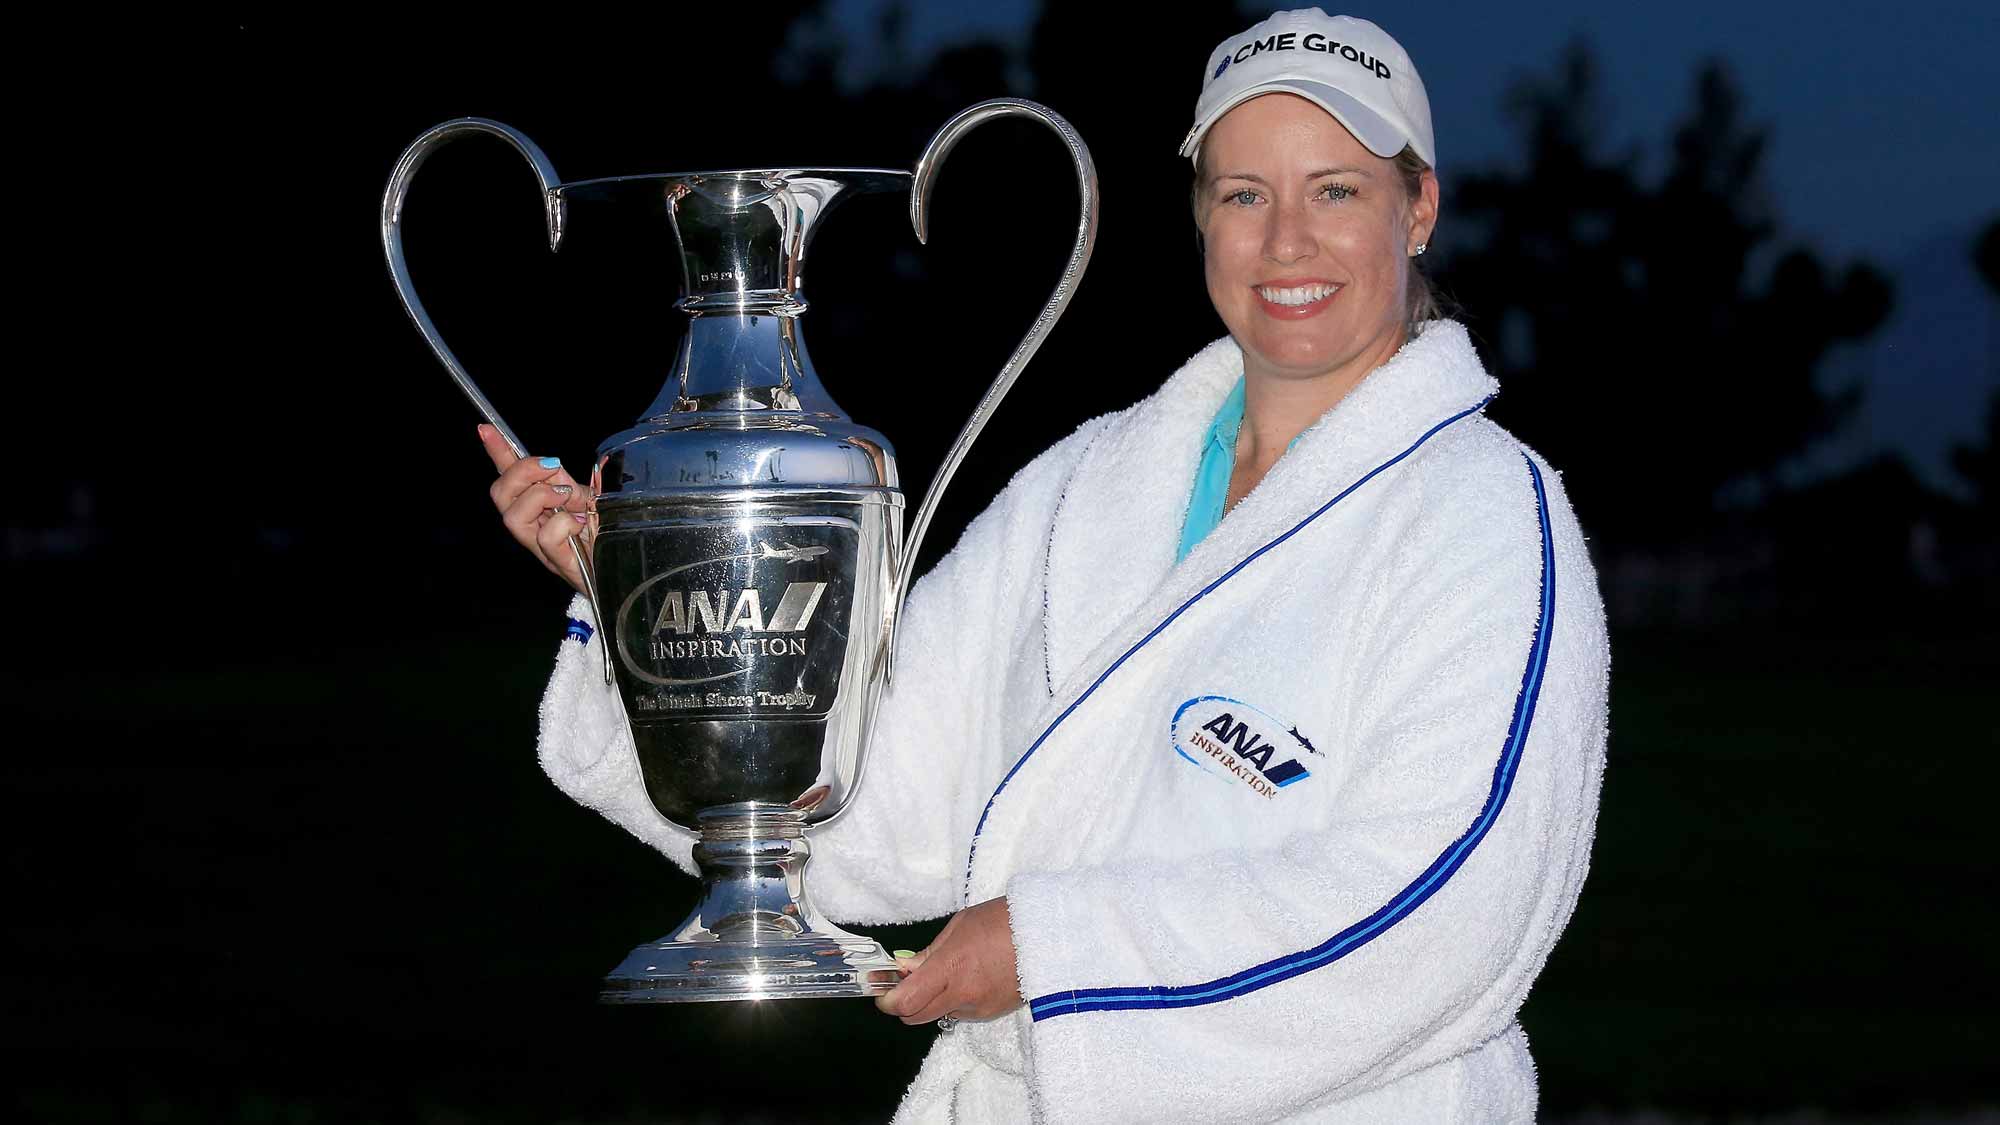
812,965
754,935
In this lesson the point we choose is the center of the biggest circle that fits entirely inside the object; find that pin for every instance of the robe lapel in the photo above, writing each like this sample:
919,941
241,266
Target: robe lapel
1119,521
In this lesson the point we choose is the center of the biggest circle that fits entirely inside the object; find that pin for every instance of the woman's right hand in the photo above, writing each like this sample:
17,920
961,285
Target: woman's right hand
542,507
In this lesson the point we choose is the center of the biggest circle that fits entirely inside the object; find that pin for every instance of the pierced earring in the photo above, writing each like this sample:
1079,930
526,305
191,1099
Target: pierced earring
1421,247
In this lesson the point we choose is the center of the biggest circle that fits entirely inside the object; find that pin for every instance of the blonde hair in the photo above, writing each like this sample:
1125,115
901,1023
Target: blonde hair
1423,304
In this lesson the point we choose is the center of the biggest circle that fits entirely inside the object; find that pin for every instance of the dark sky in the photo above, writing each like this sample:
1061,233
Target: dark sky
1883,115
1883,147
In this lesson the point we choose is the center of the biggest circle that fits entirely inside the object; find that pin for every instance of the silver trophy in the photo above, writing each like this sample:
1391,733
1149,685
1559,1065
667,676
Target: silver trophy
750,563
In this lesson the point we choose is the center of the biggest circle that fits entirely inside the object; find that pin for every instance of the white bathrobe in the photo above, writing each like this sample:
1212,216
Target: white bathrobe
1286,830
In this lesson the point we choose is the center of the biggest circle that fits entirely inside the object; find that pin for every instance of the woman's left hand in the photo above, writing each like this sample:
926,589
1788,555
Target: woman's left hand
967,973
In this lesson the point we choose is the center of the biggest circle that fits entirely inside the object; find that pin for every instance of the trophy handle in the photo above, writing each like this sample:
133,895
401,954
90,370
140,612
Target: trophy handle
554,209
940,147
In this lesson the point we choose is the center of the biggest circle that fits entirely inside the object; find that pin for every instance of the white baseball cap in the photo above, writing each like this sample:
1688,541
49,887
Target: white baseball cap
1345,65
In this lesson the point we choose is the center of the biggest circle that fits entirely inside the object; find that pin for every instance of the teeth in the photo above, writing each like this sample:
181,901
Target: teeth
1298,295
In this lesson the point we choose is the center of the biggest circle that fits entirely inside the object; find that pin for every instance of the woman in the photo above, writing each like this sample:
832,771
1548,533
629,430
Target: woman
1282,823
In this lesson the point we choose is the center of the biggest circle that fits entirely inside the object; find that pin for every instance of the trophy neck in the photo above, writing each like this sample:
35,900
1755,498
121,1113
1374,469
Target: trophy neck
743,235
751,358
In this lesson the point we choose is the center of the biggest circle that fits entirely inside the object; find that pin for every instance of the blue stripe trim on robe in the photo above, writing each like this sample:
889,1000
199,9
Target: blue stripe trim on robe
1398,908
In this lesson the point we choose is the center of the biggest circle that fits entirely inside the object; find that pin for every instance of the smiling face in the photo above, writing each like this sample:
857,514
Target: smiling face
1307,238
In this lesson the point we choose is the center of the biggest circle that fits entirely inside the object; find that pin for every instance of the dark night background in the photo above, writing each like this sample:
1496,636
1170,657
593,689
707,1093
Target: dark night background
279,850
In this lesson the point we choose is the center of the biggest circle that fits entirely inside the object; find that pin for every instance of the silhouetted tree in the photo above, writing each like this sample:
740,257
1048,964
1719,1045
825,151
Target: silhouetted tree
1636,342
1986,255
1977,463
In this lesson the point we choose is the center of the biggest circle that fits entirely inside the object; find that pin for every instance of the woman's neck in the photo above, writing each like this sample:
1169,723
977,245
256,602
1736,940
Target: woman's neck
1278,408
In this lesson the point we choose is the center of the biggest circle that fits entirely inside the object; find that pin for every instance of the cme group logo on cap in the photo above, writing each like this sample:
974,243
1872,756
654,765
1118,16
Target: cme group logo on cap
1312,41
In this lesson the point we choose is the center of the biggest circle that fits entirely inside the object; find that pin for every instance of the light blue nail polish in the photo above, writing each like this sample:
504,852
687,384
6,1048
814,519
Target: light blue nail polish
551,462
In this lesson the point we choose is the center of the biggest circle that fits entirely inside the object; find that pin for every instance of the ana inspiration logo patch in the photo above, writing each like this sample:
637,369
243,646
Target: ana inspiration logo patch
1233,739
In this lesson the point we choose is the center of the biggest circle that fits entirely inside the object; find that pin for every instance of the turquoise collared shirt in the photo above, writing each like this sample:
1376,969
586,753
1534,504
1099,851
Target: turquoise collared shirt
1211,477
